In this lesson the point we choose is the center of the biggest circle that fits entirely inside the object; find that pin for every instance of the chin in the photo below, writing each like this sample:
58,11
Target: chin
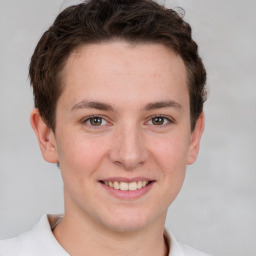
131,226
131,221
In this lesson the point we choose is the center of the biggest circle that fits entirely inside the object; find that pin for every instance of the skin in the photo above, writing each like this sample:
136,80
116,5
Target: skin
130,142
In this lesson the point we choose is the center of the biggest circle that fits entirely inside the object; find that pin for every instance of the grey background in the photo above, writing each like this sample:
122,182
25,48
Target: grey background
216,209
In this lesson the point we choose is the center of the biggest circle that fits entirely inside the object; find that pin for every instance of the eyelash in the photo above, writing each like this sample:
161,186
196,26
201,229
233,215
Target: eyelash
90,119
168,119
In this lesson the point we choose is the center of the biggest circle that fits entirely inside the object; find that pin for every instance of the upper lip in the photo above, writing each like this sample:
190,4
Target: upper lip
128,180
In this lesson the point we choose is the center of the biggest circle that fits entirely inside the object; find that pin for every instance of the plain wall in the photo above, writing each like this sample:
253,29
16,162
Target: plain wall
216,209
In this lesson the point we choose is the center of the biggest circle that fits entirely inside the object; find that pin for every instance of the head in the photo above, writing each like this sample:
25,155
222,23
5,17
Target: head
119,87
93,22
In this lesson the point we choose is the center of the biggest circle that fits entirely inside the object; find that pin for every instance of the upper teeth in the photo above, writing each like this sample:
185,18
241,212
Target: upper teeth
125,185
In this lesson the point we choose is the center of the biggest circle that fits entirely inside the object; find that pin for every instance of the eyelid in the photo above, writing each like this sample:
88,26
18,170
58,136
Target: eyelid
85,120
168,118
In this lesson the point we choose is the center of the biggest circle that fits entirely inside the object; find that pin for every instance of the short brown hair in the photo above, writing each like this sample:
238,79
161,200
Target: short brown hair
97,21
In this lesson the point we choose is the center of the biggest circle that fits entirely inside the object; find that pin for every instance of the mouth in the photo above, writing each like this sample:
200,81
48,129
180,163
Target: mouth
127,186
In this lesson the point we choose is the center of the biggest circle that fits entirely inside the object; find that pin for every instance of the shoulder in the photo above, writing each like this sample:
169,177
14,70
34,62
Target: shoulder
189,251
20,245
38,241
179,249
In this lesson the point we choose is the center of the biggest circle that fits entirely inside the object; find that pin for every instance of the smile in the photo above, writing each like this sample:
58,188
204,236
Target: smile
126,186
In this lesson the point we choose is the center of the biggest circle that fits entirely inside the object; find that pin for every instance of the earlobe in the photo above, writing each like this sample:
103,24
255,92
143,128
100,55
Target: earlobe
45,137
195,140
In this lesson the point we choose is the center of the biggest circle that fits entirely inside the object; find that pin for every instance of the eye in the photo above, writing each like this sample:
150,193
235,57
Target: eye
160,120
95,121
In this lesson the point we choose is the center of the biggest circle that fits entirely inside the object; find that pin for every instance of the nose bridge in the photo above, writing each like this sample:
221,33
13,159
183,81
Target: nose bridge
128,146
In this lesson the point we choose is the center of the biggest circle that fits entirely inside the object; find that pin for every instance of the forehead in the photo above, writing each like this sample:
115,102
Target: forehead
124,68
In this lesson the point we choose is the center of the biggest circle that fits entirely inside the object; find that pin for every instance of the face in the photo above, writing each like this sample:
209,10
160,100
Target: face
123,136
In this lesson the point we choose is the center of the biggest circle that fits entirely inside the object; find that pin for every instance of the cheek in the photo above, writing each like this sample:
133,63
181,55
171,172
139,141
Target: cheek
79,157
170,156
171,152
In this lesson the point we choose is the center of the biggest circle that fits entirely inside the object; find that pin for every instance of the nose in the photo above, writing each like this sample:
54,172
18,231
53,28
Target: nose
128,148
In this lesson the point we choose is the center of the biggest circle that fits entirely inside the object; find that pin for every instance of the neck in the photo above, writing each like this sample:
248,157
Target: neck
79,235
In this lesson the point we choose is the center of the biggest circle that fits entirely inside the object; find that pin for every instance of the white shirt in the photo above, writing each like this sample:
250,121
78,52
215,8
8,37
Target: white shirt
40,241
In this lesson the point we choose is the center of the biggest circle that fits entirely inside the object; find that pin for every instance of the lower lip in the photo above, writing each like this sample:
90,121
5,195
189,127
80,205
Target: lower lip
127,194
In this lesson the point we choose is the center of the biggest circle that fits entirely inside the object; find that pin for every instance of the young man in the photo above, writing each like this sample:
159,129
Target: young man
119,90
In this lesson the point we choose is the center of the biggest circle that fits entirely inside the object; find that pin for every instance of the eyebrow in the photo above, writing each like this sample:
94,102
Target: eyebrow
163,104
106,107
92,104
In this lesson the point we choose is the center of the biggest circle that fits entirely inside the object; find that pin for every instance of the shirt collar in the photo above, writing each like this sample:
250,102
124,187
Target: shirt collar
173,246
43,238
43,232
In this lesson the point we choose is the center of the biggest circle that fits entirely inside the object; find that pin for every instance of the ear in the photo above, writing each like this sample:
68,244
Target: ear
195,139
45,137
